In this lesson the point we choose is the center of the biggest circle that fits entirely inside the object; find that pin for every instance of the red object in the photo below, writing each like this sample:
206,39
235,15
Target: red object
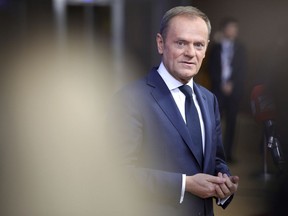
262,105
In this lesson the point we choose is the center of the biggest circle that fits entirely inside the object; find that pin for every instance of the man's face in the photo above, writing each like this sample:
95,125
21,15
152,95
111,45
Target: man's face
184,47
231,31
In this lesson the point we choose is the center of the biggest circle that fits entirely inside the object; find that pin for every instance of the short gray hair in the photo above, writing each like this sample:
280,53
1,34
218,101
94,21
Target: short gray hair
185,11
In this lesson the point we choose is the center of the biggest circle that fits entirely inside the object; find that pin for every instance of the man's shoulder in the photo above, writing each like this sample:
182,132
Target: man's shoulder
203,90
207,94
142,82
134,85
135,88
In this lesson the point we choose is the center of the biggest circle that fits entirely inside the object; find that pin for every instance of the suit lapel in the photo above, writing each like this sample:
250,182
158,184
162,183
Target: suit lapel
202,101
165,100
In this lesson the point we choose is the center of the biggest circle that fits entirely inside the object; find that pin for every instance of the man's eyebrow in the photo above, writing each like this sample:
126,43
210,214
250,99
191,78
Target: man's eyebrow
181,38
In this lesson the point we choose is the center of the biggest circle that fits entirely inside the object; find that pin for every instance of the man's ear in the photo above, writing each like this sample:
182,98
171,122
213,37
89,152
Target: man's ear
160,43
206,48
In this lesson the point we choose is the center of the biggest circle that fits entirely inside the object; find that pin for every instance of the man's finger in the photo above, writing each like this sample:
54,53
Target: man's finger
219,192
216,179
234,179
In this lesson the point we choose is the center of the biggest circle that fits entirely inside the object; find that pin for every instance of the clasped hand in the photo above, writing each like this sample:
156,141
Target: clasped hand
205,186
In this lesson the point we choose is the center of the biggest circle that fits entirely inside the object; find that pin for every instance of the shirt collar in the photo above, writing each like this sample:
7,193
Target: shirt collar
170,81
226,42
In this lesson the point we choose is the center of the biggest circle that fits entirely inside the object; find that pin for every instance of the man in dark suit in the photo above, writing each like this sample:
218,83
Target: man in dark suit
227,67
178,170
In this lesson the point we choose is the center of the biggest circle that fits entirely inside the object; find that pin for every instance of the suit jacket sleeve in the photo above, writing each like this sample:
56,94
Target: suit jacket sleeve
126,135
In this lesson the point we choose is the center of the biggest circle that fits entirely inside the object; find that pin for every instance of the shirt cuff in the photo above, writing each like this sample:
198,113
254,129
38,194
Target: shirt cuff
222,201
183,187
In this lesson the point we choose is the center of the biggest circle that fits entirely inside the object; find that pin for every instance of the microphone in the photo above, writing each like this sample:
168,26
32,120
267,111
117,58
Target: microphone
263,110
273,143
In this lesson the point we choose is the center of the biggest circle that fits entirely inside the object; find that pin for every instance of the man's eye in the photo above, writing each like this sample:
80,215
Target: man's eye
199,45
180,43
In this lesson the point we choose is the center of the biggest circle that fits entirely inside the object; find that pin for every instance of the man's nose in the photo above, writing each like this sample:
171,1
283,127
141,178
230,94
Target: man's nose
190,51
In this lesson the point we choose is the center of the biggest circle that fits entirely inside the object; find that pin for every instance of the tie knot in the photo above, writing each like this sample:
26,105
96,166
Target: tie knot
186,90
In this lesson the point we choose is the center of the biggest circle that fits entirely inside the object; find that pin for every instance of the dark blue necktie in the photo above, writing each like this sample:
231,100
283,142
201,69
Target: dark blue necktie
192,122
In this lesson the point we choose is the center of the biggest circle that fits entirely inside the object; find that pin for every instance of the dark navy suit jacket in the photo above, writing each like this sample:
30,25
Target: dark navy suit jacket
155,143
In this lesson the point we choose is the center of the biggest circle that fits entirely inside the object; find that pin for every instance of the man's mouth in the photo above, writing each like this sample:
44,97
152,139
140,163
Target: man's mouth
188,63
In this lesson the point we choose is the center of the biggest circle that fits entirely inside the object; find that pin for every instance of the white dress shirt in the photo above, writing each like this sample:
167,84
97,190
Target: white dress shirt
226,58
179,98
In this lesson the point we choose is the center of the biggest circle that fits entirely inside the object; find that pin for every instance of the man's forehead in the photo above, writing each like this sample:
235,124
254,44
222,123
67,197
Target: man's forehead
187,19
177,25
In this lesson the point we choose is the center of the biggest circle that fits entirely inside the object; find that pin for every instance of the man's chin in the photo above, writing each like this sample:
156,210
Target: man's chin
189,73
187,78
